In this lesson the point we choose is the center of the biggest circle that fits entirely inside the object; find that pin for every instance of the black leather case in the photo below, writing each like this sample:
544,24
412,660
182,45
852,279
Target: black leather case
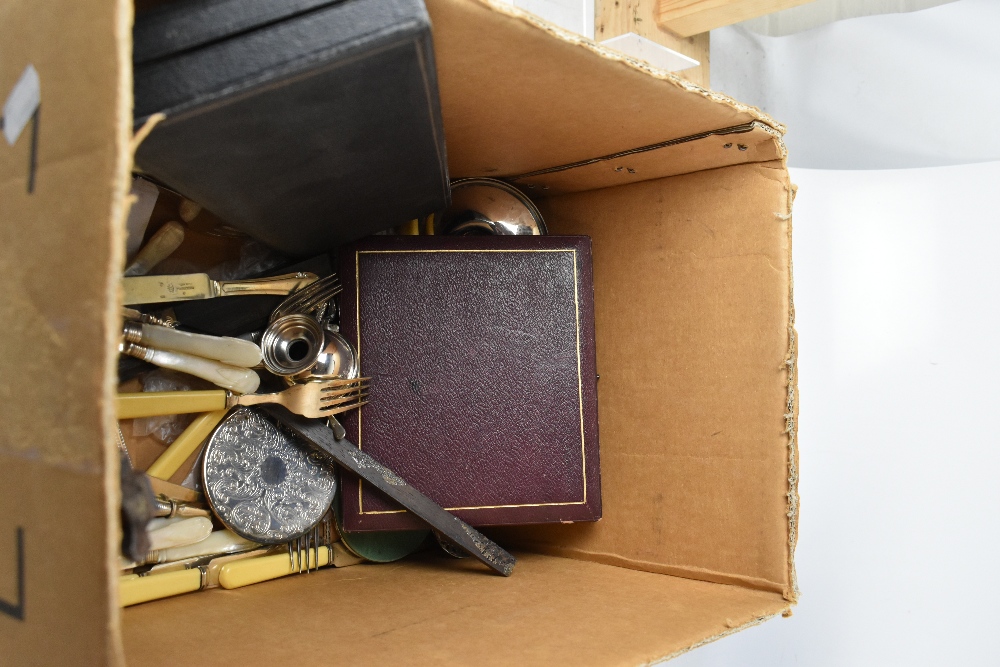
305,123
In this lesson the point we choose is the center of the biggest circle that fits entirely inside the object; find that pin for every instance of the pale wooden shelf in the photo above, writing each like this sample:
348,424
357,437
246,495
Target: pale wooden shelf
691,17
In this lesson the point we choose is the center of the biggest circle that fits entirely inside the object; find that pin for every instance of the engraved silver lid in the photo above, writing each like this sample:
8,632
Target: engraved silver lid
261,482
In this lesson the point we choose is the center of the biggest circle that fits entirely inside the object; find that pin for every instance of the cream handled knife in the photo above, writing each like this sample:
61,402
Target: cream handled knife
191,577
234,378
193,286
232,351
237,575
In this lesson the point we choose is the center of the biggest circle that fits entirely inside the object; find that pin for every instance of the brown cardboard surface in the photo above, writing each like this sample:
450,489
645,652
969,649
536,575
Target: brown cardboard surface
59,511
438,611
60,255
516,100
695,348
692,305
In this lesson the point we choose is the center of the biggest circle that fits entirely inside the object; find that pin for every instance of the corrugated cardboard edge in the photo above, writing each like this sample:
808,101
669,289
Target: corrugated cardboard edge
792,410
708,640
724,132
567,36
121,202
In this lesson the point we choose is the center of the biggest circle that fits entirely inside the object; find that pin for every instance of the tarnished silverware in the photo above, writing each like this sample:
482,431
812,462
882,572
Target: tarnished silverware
315,399
303,551
136,316
346,454
169,508
234,378
336,361
232,351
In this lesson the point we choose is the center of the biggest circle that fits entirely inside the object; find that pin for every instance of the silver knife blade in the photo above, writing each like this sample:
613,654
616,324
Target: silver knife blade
158,289
193,286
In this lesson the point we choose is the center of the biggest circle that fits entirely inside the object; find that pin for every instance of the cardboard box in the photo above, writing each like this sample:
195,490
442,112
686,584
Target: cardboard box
690,220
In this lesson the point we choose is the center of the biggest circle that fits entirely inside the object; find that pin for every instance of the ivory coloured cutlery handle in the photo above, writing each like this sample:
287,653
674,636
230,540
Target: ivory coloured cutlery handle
157,586
185,445
180,533
154,403
232,351
256,570
164,242
219,542
239,380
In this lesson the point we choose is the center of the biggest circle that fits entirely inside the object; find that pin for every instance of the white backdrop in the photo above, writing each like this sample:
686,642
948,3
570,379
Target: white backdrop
880,92
897,288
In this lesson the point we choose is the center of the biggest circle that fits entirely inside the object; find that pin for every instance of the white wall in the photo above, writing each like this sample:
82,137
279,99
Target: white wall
897,288
575,15
879,92
815,13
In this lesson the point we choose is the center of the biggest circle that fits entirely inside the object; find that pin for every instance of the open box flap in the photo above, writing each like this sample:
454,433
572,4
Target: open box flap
429,611
61,252
515,100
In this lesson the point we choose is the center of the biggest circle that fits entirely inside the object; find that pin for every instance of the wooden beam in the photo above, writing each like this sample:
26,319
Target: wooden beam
617,17
691,17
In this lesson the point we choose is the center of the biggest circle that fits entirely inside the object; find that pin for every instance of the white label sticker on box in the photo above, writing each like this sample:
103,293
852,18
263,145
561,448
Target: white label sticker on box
21,104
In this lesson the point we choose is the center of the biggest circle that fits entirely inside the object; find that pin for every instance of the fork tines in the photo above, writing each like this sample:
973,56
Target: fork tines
342,400
341,397
337,409
310,297
341,382
328,391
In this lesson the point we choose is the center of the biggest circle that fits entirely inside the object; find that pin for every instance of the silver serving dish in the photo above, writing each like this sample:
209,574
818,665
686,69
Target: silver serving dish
487,206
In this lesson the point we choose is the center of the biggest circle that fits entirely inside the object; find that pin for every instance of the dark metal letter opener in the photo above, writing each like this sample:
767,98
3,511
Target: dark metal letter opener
345,453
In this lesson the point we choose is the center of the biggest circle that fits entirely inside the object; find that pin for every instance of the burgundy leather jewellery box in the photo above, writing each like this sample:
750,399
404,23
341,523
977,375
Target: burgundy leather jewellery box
484,386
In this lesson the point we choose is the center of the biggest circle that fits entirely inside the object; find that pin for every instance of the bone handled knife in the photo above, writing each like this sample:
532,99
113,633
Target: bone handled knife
194,286
186,578
321,439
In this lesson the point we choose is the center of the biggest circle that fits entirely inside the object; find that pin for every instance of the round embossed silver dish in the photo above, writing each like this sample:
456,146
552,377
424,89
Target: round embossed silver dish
262,483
